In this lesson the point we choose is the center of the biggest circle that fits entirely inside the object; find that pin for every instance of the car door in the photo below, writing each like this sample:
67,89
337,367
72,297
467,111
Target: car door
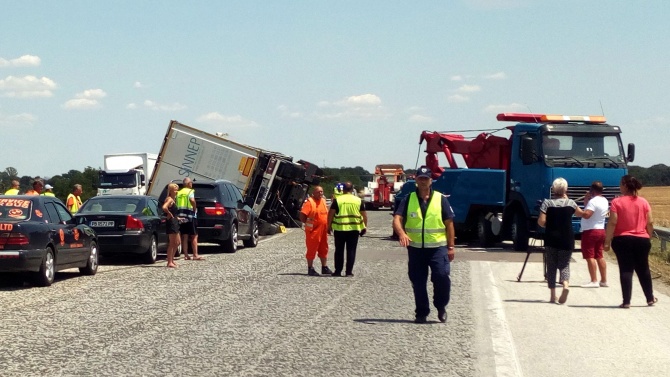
57,232
78,249
243,215
159,222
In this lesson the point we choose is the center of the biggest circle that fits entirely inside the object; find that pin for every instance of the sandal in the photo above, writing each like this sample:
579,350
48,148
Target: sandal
624,306
564,296
652,302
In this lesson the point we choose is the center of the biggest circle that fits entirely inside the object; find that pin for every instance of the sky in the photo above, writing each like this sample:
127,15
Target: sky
336,83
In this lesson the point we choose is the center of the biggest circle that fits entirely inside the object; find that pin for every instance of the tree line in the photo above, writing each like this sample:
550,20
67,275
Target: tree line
656,175
62,183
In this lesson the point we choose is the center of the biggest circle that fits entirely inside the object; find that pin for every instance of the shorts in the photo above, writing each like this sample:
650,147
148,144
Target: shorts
593,241
172,226
189,228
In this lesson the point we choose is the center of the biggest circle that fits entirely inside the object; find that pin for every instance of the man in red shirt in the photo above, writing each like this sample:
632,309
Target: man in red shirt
314,216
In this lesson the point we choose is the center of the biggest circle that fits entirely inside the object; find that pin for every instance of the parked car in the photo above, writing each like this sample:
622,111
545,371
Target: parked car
126,224
39,235
223,216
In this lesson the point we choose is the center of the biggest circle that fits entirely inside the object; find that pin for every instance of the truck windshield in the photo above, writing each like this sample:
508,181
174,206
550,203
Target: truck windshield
118,180
583,150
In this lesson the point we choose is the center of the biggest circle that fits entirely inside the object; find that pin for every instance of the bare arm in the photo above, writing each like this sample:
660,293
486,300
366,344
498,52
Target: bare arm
403,239
166,207
587,214
579,212
542,219
451,235
331,215
650,224
364,214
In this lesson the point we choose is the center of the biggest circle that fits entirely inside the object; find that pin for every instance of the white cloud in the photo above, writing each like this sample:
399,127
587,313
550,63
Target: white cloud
496,76
510,108
88,99
457,98
456,78
138,85
23,61
27,87
81,103
416,118
217,119
362,100
131,106
469,88
162,107
20,120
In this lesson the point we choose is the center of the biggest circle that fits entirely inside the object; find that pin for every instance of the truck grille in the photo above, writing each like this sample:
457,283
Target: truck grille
576,193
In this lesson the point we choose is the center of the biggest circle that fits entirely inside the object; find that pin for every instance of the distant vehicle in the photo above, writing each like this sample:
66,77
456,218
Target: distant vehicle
126,224
386,182
39,235
223,217
126,173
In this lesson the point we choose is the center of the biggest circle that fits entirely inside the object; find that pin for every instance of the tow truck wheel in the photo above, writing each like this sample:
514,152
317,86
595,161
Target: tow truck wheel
484,232
520,232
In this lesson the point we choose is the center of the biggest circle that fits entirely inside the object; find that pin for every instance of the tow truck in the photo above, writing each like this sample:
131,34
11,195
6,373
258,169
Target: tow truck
497,190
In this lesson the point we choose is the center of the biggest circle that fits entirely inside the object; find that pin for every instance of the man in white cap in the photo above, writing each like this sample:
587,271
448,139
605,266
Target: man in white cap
48,190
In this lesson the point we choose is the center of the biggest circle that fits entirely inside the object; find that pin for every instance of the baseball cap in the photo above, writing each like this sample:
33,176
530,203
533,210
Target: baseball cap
424,171
48,187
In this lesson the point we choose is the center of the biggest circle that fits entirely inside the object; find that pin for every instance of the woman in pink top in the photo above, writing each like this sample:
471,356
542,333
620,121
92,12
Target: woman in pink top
628,232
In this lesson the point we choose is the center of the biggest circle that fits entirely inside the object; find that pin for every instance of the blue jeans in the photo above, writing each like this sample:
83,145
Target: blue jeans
419,261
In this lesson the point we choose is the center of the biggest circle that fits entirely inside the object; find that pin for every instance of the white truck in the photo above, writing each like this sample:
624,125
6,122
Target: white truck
126,173
271,183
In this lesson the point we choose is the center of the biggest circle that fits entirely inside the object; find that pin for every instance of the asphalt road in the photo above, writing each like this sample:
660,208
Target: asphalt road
257,313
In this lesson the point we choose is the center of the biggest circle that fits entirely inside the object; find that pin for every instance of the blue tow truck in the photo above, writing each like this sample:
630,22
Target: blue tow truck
497,195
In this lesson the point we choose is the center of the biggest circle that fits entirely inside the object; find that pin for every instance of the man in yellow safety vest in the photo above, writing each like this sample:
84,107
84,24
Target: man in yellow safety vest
15,188
187,215
348,219
424,224
73,202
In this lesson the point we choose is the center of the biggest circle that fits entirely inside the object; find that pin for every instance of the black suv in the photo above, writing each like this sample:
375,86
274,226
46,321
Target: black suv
223,216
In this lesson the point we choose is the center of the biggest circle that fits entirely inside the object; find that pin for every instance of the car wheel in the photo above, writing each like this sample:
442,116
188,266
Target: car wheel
253,240
151,254
92,263
230,245
45,276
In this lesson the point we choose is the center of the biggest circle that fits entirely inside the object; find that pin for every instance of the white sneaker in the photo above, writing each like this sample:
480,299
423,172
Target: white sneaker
604,284
591,284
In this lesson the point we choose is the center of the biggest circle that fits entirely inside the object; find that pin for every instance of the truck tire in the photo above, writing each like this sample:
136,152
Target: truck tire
520,232
484,232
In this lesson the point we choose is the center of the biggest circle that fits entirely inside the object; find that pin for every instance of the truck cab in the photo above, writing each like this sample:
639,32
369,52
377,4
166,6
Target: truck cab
546,147
122,182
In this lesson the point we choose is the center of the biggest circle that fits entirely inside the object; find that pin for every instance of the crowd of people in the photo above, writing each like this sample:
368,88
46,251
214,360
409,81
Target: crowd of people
627,232
38,187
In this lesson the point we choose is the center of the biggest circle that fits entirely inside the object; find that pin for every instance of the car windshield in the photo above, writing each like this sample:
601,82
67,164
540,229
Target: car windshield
106,204
117,180
15,209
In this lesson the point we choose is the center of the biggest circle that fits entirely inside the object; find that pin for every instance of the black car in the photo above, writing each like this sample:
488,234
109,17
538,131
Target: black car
126,224
223,216
39,235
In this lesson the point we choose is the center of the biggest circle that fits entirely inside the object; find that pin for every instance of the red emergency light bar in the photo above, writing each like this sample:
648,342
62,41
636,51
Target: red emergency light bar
548,118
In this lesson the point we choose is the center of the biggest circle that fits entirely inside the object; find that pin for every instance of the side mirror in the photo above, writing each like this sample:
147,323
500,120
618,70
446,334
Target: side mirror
631,152
143,179
528,152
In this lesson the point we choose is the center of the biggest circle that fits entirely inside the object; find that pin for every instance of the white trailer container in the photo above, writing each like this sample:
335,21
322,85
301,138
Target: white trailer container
271,183
126,173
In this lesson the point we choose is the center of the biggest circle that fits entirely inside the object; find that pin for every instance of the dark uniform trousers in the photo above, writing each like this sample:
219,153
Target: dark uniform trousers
348,239
420,260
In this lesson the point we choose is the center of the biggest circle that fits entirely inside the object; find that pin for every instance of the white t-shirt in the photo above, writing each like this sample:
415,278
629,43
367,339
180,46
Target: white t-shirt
599,206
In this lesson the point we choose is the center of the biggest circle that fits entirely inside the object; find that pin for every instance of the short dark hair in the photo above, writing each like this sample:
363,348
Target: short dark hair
597,187
348,187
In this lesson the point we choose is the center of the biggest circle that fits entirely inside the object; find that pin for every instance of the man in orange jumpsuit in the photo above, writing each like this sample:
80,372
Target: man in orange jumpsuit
314,215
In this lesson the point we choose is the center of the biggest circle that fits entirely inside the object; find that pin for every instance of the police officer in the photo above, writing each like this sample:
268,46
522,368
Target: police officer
186,212
348,219
424,224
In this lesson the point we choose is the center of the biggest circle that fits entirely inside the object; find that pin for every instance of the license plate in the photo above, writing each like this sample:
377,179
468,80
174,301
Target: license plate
102,224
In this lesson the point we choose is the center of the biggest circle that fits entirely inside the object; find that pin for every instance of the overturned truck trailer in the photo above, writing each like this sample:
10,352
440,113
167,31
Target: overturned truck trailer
272,183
